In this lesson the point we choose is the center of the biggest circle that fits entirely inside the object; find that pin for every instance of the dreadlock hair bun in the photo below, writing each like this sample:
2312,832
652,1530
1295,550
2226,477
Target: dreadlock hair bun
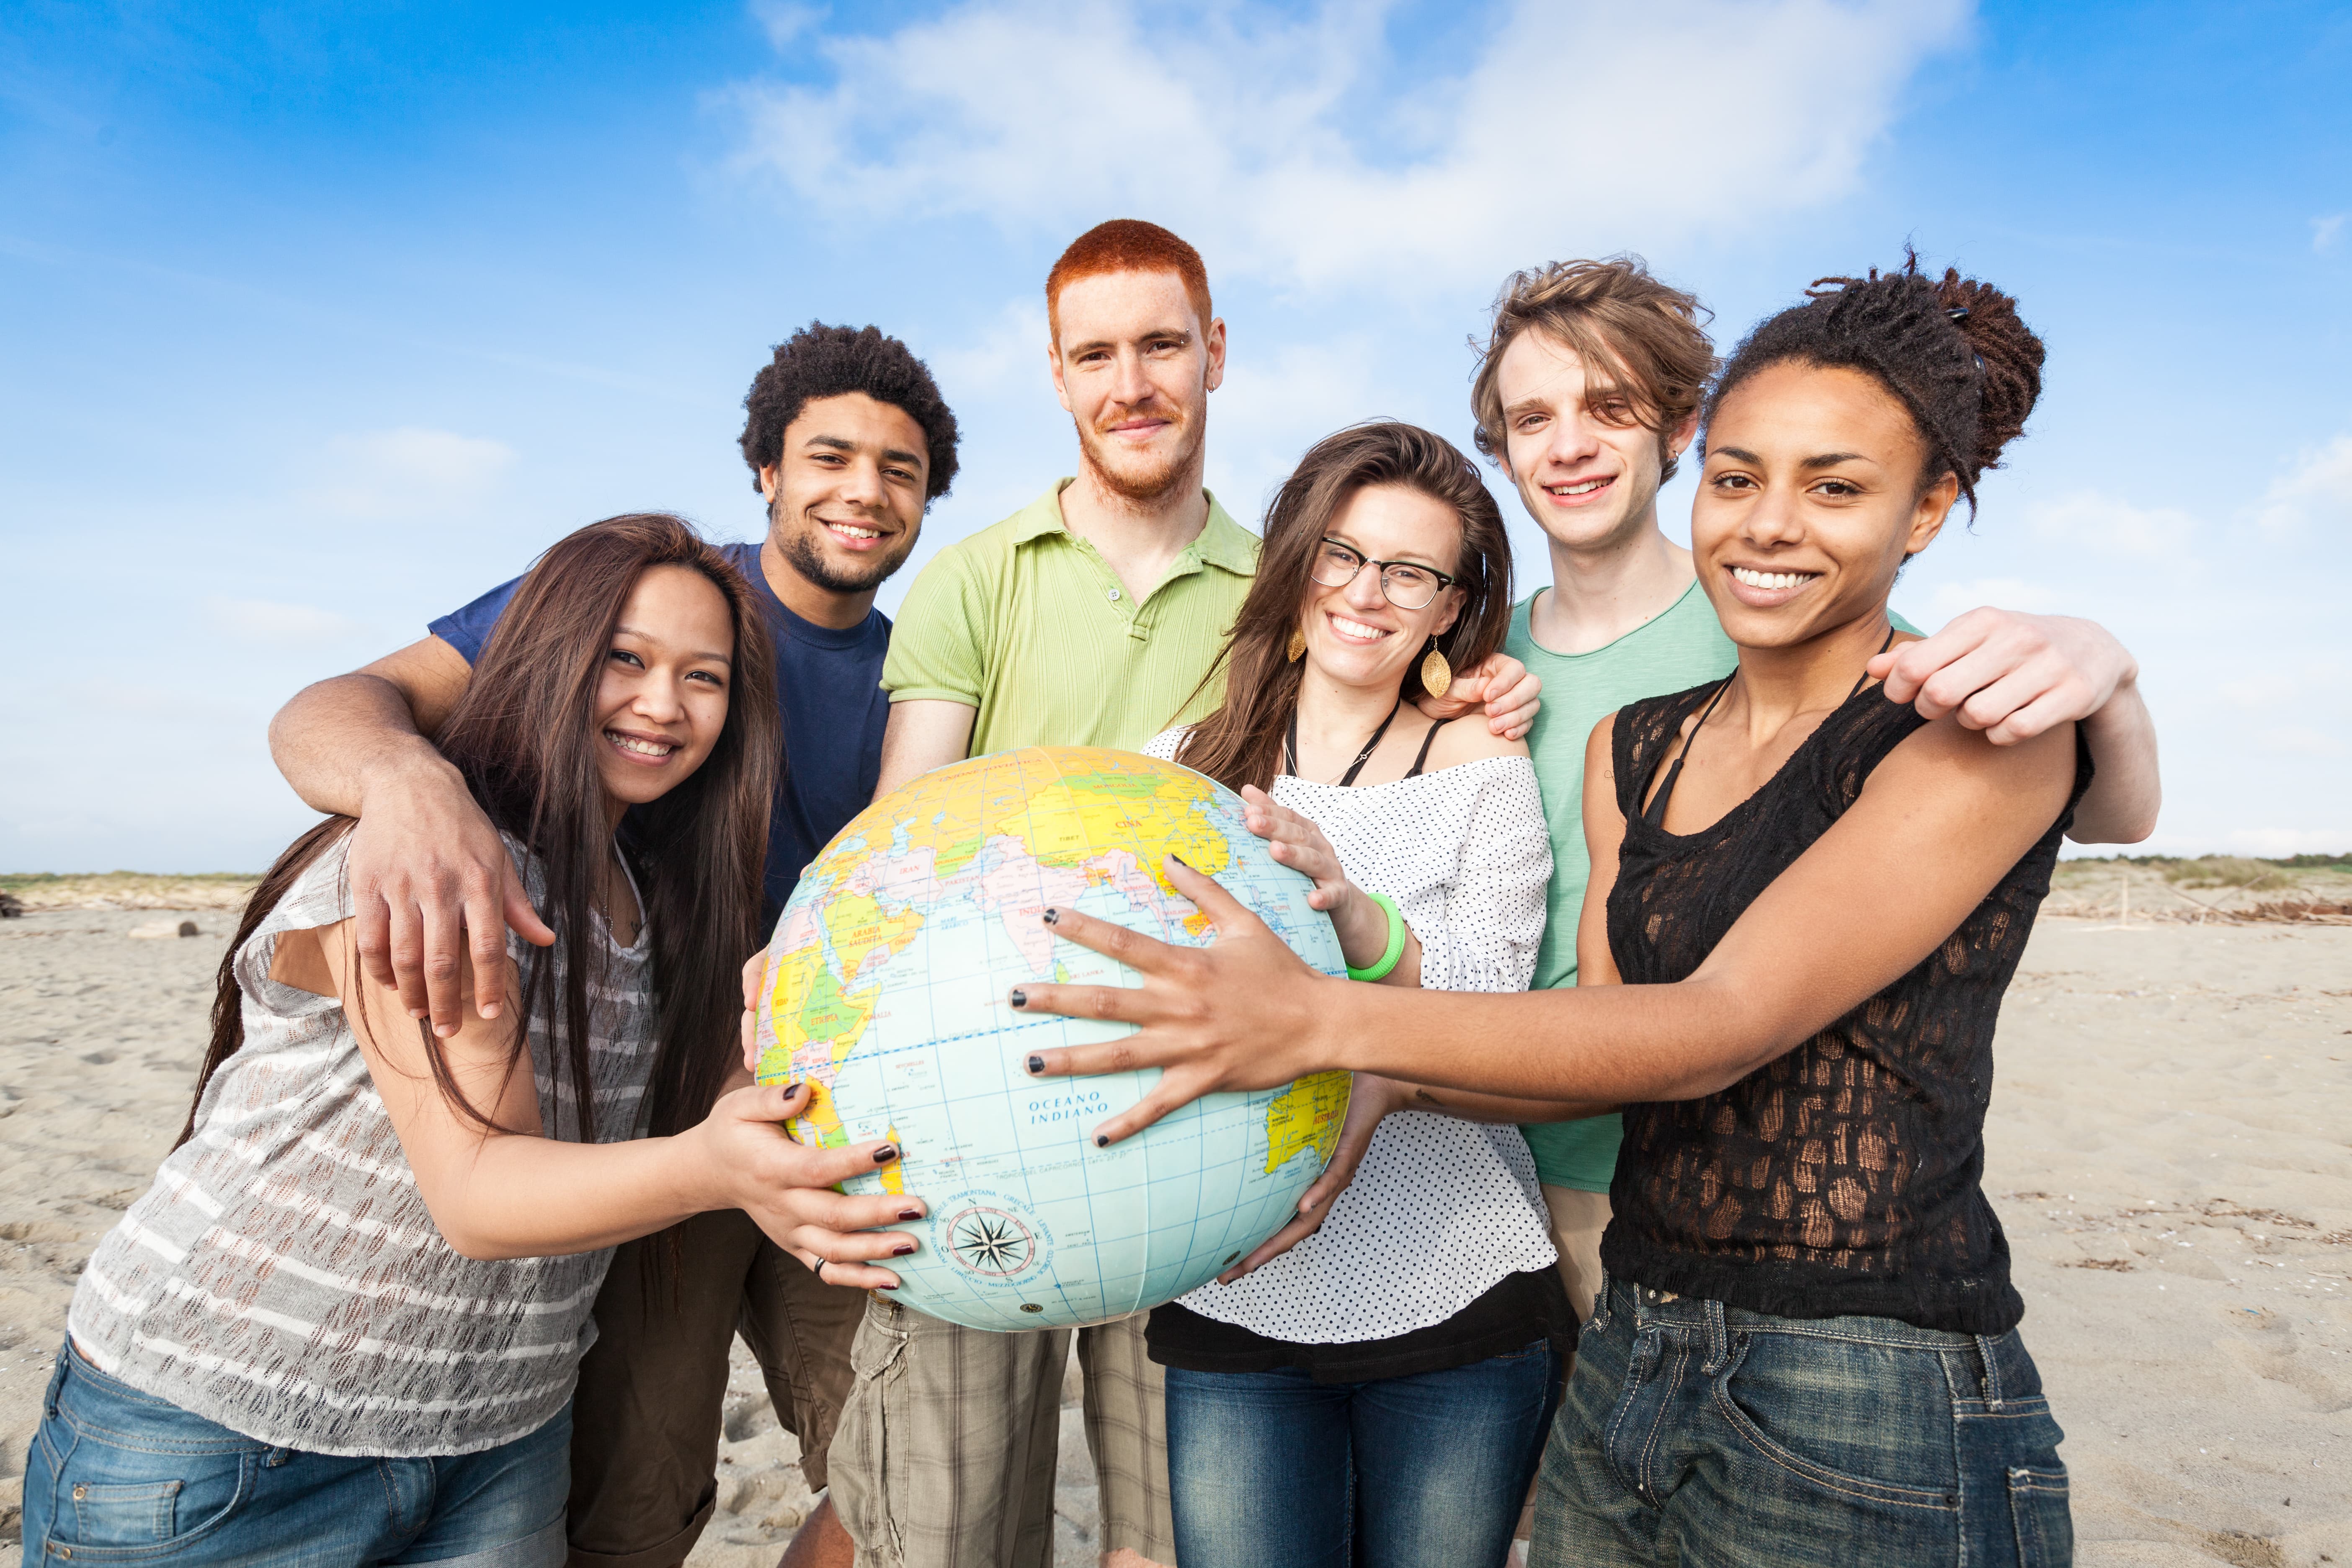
1950,349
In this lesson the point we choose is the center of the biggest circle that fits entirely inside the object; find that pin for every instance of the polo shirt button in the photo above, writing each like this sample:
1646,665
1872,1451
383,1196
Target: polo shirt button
1114,595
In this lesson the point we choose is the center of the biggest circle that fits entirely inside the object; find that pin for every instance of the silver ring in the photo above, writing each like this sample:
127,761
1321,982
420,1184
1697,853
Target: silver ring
820,1271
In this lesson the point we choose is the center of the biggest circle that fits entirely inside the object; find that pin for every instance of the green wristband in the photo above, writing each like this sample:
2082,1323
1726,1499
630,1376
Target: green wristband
1396,942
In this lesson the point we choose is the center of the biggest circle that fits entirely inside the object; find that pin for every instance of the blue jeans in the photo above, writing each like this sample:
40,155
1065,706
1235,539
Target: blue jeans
1703,1435
1273,1466
118,1476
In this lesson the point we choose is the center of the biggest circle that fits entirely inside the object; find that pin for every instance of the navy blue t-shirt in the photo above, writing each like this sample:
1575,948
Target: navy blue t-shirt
829,692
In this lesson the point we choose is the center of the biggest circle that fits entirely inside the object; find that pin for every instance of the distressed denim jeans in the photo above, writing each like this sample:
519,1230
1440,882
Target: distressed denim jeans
1707,1437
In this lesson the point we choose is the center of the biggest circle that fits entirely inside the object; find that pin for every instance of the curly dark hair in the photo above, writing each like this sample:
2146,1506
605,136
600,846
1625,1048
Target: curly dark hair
1950,349
819,360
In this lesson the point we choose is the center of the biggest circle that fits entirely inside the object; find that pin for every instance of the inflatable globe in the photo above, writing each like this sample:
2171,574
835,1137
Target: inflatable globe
888,974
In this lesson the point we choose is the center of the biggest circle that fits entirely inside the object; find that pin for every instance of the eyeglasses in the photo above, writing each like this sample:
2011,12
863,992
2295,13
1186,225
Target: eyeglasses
1402,584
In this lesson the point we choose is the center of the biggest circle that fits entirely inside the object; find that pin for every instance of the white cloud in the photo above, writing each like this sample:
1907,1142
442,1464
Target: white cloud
266,621
2327,231
2316,490
382,473
2271,689
1272,142
1950,599
783,21
2110,524
1009,354
2304,740
436,457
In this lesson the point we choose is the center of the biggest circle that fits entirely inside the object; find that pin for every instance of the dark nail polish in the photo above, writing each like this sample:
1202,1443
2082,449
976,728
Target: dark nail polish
1181,861
1052,917
1019,998
885,1154
1101,1140
902,1249
790,1089
890,1286
1036,1064
911,1213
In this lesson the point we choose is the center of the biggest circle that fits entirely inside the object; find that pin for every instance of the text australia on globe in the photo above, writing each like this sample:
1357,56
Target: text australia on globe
888,974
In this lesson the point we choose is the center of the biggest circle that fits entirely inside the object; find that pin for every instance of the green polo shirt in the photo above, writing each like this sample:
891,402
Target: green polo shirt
1025,622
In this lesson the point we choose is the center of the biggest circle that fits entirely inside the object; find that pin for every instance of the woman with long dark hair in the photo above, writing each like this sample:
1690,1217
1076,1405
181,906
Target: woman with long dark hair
1806,901
1375,1391
344,1324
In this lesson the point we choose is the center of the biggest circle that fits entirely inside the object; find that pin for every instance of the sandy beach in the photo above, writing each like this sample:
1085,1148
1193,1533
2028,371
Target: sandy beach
2170,1149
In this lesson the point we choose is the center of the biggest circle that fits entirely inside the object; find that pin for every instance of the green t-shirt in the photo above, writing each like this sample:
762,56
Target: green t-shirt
1670,652
1026,622
1683,647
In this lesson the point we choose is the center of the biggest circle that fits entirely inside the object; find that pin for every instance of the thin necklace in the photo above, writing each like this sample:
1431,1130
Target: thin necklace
1347,779
1654,812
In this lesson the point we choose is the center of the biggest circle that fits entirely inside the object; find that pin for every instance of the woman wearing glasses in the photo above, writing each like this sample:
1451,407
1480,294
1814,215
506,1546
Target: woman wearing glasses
1373,1385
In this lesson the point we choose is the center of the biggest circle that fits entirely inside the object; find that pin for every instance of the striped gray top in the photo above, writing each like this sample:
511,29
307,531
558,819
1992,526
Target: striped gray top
283,1276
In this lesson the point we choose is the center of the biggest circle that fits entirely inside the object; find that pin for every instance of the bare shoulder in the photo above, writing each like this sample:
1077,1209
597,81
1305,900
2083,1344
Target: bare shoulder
299,959
1467,740
1943,755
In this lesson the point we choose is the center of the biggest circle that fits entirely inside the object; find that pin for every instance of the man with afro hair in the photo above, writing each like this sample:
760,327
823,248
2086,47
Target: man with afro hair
848,441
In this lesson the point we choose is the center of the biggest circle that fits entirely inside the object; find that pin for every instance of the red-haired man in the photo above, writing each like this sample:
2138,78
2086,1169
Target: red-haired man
1088,618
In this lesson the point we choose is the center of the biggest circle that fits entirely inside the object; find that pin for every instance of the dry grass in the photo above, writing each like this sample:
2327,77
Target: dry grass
2302,890
130,890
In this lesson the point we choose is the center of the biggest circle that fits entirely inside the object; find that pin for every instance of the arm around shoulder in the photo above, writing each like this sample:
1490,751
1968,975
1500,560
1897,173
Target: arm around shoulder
428,871
335,737
2126,784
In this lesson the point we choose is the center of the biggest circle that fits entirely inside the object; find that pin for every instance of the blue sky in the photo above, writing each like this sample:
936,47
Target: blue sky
315,321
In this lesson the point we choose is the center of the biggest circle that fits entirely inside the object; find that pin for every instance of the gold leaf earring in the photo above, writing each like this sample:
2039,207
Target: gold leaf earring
1437,675
1297,645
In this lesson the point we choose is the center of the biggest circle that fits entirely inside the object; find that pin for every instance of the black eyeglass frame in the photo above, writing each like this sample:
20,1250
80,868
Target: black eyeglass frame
1444,579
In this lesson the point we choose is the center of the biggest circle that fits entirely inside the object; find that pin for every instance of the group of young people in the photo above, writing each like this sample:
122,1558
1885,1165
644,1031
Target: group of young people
1659,1190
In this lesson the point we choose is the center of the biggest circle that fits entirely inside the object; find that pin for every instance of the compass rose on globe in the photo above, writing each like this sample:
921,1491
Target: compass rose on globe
992,1242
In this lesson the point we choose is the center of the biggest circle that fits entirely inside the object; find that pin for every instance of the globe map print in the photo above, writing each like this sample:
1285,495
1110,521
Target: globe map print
888,980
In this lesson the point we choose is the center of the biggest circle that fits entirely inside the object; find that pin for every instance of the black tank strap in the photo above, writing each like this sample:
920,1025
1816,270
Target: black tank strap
1421,758
1347,779
1655,814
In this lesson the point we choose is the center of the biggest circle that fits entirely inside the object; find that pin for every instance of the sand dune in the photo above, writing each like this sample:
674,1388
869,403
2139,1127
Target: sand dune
2170,1149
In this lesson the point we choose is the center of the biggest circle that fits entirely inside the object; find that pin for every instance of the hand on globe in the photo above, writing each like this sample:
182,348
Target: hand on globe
755,986
785,1186
1295,841
1239,1013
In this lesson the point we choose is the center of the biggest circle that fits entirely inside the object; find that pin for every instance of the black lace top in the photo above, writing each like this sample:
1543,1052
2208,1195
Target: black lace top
1843,1176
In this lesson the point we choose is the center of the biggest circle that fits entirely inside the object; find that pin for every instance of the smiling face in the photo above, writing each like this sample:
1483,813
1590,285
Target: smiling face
662,698
1134,365
1809,502
846,498
1588,475
1354,636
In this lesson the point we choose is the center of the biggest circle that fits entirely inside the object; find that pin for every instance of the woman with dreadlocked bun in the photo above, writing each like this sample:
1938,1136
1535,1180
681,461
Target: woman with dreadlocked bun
1806,901
1952,350
1802,1245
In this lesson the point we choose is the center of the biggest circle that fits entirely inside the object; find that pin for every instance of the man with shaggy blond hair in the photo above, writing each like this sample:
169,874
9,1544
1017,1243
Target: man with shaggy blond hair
1587,394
